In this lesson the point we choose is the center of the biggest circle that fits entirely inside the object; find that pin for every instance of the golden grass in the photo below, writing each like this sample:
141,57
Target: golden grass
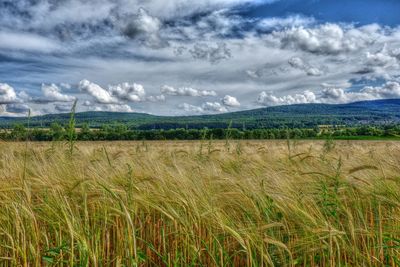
245,203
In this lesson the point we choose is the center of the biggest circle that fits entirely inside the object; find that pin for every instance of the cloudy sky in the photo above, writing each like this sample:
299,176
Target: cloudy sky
177,57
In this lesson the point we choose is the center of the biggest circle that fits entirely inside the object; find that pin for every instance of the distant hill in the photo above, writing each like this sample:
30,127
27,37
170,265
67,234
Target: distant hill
299,116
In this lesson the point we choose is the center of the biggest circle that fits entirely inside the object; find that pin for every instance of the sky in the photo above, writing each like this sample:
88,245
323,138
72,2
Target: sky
181,57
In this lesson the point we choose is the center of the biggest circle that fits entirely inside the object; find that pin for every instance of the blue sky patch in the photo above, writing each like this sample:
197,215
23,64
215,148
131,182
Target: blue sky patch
385,12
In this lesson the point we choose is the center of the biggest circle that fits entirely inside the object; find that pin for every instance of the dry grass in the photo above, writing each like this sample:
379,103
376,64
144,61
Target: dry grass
200,204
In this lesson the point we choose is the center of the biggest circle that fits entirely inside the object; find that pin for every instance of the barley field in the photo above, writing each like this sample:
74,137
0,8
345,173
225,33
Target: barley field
233,203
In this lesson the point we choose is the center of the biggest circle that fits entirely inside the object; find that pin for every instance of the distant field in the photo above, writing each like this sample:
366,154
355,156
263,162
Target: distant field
179,203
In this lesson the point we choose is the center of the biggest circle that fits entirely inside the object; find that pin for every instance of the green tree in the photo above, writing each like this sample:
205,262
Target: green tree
85,133
19,132
57,131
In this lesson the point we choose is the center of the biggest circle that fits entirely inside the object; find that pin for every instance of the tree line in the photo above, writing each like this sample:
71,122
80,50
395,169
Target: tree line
58,132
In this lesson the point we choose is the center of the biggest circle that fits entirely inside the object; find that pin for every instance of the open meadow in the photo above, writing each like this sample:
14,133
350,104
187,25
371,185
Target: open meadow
209,203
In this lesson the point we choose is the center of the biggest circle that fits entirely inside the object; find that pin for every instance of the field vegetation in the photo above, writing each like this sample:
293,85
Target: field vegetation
113,132
200,203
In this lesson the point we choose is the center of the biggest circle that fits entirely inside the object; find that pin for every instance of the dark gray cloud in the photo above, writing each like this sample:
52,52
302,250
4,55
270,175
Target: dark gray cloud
62,108
213,53
144,28
17,108
298,63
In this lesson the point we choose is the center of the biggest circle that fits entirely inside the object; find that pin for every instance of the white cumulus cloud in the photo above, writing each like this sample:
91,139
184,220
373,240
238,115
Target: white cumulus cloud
191,108
117,108
213,107
205,108
389,90
89,106
329,38
185,91
156,98
230,101
126,91
53,93
100,94
7,94
269,99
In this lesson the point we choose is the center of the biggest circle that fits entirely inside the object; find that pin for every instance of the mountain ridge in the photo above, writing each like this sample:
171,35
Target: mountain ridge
297,115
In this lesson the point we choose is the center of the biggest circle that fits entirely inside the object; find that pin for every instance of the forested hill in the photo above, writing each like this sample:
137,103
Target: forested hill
294,116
